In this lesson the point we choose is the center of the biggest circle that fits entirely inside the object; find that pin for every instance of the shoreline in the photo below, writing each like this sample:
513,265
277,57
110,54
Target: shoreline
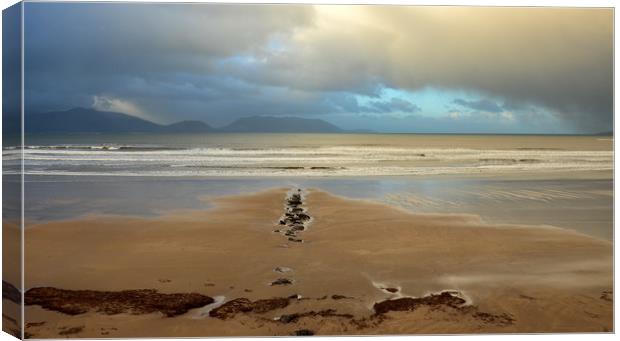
581,205
351,246
598,174
476,219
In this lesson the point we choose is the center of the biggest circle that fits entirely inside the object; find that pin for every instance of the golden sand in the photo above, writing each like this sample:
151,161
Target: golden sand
515,278
11,278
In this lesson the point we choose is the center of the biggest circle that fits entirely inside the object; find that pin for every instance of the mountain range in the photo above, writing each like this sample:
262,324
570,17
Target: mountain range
82,120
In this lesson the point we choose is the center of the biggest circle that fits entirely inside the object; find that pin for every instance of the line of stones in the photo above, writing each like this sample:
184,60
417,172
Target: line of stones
295,218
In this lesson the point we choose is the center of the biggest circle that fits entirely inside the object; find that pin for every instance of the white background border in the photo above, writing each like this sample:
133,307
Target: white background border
564,3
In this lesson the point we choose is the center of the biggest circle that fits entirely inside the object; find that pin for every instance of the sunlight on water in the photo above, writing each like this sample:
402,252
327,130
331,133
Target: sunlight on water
340,155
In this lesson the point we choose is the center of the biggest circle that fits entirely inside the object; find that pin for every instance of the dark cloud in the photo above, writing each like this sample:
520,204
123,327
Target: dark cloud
480,105
392,105
220,62
163,57
11,74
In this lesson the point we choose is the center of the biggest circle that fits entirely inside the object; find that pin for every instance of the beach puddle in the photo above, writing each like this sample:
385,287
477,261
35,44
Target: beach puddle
390,289
282,269
203,312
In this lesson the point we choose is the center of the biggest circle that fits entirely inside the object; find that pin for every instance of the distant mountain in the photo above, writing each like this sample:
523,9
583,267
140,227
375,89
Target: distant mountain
82,120
270,124
188,127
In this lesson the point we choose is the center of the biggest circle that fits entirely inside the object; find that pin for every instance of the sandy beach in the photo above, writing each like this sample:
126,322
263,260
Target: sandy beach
355,267
219,170
11,278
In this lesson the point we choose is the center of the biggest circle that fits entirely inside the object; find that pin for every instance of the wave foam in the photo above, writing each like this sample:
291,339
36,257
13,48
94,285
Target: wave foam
150,160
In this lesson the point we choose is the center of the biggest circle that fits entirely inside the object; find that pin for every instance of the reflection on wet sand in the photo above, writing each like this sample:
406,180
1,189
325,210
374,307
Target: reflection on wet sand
363,268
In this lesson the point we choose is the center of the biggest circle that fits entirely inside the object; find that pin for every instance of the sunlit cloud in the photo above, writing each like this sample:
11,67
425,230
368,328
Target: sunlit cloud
536,69
104,103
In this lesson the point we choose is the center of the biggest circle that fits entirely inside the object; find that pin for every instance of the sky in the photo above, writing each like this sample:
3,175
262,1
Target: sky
384,68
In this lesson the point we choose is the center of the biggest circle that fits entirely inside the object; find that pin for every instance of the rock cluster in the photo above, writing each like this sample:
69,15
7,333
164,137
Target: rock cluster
411,303
291,318
11,293
449,299
244,305
142,301
295,218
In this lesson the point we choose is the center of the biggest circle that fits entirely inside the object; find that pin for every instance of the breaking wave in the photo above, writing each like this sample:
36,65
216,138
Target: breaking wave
367,160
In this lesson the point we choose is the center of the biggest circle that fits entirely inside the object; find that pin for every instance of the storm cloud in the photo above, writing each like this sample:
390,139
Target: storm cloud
481,105
168,62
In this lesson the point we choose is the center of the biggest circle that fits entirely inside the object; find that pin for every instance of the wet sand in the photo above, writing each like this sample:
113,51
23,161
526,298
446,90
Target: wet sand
350,255
11,278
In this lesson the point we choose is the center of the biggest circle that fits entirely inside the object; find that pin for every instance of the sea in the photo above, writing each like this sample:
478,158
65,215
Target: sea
309,155
558,180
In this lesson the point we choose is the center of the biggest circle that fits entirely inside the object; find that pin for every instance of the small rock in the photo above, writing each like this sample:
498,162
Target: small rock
281,281
289,318
70,331
304,332
607,295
